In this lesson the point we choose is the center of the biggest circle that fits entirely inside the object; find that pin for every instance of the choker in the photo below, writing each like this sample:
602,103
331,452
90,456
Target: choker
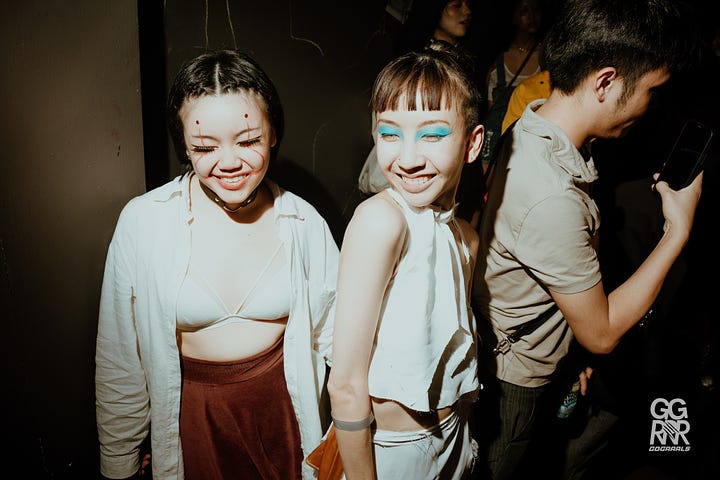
210,193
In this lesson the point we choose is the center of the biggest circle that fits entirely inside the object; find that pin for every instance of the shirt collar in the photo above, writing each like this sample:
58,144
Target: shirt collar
580,167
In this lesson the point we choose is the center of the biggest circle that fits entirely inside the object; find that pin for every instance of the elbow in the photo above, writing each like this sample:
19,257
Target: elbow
600,348
599,345
341,391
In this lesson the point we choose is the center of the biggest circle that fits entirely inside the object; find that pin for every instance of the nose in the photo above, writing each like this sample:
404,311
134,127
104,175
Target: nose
410,159
229,159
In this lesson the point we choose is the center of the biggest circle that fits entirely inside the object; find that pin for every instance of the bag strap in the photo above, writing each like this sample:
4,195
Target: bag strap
491,164
522,65
500,69
526,328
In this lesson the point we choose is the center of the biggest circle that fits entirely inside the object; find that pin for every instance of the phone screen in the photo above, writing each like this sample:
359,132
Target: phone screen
687,155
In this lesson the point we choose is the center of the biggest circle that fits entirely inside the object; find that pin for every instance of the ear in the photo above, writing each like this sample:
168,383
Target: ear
604,80
474,143
273,138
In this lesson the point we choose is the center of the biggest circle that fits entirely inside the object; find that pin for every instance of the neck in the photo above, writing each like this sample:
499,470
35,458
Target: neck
442,35
215,198
561,110
523,42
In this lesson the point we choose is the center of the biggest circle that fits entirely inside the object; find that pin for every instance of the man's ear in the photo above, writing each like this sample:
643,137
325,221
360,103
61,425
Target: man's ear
475,142
603,81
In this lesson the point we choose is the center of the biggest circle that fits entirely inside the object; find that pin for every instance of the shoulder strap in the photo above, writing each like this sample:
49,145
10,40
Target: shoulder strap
522,65
526,328
500,69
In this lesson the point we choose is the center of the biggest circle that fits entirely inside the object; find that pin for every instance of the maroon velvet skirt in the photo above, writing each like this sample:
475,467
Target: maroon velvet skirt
237,420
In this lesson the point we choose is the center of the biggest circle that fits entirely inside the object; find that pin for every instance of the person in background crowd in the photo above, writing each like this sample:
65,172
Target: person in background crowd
532,88
526,17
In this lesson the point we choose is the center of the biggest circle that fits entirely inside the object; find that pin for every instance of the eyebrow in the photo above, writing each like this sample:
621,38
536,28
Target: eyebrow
244,132
422,124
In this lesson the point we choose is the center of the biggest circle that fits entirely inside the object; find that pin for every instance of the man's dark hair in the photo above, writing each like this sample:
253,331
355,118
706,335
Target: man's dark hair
634,36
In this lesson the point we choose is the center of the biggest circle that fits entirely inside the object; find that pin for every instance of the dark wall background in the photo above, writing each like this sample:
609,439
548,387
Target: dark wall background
323,56
72,155
83,89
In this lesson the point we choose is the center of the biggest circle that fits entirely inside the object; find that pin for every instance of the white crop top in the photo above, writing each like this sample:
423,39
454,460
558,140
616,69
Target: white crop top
200,307
425,353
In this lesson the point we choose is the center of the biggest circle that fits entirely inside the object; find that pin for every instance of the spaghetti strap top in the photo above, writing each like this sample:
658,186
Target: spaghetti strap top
200,307
425,355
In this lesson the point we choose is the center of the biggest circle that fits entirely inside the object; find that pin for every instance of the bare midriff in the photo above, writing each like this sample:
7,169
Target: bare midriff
234,341
390,415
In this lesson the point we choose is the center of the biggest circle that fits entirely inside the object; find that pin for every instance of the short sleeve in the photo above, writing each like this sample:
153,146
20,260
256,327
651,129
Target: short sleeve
557,242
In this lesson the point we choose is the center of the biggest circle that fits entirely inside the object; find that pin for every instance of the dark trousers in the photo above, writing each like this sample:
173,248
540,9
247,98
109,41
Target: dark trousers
518,416
524,437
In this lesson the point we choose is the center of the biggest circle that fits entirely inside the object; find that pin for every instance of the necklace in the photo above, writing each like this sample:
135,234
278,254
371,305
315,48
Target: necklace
209,192
521,49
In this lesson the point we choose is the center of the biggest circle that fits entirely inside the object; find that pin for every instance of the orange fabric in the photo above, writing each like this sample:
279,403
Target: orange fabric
537,86
326,458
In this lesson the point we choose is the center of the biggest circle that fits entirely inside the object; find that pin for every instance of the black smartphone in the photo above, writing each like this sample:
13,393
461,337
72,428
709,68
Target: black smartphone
687,155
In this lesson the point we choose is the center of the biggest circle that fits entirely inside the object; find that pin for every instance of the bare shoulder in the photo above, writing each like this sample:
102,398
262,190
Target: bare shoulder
380,217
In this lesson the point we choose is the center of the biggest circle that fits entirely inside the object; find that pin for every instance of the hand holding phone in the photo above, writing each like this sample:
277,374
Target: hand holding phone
687,155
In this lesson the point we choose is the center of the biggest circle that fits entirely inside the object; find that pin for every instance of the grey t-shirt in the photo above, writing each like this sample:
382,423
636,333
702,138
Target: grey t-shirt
538,233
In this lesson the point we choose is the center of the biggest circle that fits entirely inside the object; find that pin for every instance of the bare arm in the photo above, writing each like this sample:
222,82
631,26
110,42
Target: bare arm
370,251
599,321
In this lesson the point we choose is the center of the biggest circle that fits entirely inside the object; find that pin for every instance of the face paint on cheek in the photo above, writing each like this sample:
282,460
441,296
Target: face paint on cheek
259,154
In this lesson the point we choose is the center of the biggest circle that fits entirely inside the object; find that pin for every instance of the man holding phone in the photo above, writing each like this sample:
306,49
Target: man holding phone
539,231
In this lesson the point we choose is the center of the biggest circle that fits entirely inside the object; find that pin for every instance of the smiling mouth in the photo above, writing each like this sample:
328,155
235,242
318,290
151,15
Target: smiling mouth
237,179
233,183
415,184
415,181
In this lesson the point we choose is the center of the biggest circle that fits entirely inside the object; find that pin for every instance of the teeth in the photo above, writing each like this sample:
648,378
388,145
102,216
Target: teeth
234,179
416,181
